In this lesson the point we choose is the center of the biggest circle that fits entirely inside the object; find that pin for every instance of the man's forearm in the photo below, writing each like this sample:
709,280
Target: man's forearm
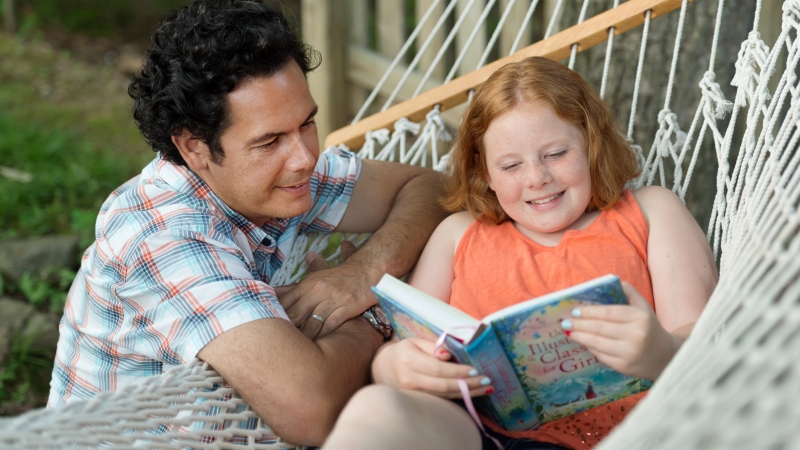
297,386
395,247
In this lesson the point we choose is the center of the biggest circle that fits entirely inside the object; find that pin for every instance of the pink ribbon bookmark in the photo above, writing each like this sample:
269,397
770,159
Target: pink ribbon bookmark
462,385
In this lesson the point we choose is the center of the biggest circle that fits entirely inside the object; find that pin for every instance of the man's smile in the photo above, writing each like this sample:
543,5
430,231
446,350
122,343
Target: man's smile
296,189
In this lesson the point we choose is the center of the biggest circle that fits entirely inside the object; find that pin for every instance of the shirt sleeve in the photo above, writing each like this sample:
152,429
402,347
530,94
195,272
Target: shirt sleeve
182,289
331,188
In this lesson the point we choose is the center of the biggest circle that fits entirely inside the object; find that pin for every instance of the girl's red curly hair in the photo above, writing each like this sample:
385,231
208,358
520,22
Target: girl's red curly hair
612,161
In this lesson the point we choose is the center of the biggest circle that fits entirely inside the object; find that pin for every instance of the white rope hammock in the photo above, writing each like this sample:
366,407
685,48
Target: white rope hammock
734,383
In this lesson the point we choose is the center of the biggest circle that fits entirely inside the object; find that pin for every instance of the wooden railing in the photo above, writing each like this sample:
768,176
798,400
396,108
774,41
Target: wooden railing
557,47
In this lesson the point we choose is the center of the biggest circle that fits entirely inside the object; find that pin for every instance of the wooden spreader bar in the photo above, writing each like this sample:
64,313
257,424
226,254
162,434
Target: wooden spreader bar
594,31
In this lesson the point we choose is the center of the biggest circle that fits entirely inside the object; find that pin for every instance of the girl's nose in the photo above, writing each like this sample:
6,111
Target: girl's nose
537,175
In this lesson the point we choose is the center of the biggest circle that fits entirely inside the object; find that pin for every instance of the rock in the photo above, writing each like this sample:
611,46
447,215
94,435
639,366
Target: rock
37,255
17,316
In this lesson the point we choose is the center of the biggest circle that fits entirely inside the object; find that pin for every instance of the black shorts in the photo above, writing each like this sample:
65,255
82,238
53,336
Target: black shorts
510,443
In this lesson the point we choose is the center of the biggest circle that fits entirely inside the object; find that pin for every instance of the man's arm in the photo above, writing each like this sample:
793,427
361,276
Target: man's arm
297,386
400,205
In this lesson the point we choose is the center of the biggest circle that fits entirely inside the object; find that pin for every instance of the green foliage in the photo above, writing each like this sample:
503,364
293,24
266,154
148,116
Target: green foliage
69,126
69,179
25,376
49,291
125,18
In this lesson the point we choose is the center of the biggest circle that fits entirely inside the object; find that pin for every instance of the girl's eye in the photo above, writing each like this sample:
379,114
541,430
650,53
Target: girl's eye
509,167
557,154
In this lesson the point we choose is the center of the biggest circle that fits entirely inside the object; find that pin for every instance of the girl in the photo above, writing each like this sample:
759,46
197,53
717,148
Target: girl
539,173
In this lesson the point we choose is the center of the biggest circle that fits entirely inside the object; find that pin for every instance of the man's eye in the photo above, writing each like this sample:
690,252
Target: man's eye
269,144
309,123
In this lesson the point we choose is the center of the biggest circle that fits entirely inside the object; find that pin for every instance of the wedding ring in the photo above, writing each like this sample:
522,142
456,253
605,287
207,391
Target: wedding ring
314,316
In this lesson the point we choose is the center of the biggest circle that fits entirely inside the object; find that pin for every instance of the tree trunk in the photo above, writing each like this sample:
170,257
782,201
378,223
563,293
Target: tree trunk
693,62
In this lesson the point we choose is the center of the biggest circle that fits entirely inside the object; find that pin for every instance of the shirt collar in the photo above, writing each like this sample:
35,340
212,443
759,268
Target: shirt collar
183,180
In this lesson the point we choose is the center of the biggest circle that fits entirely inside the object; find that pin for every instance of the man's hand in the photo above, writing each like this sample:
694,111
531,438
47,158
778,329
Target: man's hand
399,205
627,338
334,294
410,364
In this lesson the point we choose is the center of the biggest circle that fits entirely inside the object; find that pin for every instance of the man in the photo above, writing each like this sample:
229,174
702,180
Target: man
185,252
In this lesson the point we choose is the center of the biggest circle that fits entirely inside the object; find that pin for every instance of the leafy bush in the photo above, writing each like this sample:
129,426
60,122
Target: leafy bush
24,379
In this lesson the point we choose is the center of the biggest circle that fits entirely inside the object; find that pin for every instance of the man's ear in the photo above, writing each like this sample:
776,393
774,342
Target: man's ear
194,151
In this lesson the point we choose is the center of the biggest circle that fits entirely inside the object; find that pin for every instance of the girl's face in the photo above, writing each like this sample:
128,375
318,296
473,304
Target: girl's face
538,167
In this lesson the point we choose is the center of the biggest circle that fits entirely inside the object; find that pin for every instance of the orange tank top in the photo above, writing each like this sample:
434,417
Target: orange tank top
496,266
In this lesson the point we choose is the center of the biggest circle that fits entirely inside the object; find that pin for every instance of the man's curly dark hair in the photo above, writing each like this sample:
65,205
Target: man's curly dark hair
199,54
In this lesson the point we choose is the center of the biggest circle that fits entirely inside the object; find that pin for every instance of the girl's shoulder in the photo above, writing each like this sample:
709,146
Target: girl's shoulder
455,226
657,202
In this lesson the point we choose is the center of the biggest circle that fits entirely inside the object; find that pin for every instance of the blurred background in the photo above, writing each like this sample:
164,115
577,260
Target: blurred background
67,137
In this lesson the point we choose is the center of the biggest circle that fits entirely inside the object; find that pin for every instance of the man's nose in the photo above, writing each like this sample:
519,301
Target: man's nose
303,155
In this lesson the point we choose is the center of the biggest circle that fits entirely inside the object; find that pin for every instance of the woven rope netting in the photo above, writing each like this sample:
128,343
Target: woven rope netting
735,382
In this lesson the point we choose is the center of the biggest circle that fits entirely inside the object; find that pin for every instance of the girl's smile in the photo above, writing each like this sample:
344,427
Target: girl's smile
538,168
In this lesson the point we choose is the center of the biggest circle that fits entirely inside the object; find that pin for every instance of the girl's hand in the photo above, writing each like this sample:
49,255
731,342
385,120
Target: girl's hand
410,364
627,338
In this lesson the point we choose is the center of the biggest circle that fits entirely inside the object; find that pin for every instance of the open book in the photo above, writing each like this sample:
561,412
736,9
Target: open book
539,374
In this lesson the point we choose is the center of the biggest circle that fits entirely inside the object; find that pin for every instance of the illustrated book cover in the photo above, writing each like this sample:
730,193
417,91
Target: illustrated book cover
539,374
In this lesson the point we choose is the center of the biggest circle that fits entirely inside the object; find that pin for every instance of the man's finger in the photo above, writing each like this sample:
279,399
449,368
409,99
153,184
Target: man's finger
288,300
312,326
336,317
348,248
282,290
316,262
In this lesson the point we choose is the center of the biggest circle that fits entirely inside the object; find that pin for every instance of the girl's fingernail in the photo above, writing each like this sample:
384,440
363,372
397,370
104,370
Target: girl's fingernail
566,324
567,332
473,373
576,312
486,381
490,390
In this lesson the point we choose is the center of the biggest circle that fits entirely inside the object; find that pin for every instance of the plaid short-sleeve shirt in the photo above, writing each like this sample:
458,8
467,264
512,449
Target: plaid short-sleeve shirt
172,267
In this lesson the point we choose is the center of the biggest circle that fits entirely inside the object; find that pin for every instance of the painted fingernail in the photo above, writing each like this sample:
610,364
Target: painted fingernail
473,373
567,332
566,324
576,312
486,381
490,390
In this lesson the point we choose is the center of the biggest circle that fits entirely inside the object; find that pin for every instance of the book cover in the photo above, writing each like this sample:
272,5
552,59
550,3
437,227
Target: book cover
539,374
560,376
508,405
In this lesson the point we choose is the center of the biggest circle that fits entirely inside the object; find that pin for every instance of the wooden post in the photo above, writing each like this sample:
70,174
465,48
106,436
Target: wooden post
358,20
437,42
324,28
475,50
390,17
8,16
513,24
549,8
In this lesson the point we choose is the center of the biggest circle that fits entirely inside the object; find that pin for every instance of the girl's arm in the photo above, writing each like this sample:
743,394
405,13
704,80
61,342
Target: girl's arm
681,264
410,364
433,273
634,339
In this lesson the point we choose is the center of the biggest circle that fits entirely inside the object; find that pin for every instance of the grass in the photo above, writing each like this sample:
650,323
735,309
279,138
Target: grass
69,126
